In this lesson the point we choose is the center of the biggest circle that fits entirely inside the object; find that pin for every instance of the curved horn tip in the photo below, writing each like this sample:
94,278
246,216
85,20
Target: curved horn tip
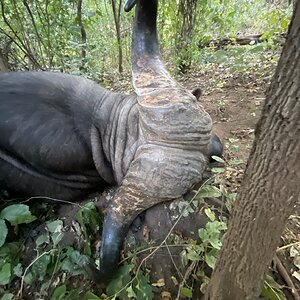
129,4
100,277
113,235
215,147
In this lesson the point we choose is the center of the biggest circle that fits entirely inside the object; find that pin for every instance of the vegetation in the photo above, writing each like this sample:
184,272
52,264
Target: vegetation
92,38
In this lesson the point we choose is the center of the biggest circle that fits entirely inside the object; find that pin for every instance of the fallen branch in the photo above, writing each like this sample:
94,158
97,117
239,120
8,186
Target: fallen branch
284,274
241,40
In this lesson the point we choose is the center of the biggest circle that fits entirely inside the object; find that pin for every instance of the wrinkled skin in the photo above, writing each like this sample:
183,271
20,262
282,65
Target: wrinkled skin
64,137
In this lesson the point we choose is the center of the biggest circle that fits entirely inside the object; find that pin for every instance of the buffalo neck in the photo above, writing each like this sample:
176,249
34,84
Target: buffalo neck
116,117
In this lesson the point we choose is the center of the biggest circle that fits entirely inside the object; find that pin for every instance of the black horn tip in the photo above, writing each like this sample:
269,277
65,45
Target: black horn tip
215,147
101,277
113,235
129,4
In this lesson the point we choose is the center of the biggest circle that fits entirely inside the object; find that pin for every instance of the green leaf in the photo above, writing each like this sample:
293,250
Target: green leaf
293,252
55,226
232,14
18,270
215,241
10,252
130,292
17,214
209,191
284,24
39,268
43,238
231,197
193,256
3,232
272,290
235,162
210,214
258,48
90,215
29,278
90,221
186,292
121,279
215,227
5,274
91,296
273,19
203,234
59,293
56,237
72,295
210,260
7,296
218,170
143,289
74,262
234,148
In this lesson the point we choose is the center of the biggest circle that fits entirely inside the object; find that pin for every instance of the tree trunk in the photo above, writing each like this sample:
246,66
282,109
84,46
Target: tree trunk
3,64
270,187
83,35
117,18
186,25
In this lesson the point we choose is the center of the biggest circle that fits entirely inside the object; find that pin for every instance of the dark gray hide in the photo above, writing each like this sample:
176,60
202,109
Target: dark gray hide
64,136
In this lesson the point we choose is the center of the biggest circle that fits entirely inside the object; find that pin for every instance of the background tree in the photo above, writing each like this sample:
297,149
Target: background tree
83,34
186,24
117,18
51,35
270,188
4,50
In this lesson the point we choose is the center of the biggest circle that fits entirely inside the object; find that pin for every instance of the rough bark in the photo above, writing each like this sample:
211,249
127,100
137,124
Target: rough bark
186,25
3,62
270,187
83,34
117,19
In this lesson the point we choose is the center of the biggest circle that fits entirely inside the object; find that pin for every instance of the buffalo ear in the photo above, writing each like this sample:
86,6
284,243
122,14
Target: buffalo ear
197,92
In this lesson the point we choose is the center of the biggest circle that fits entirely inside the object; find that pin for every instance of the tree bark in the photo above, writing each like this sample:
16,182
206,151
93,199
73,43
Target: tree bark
83,34
186,25
270,188
3,63
117,19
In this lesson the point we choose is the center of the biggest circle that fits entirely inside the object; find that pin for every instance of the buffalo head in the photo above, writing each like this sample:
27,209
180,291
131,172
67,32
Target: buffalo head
175,137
